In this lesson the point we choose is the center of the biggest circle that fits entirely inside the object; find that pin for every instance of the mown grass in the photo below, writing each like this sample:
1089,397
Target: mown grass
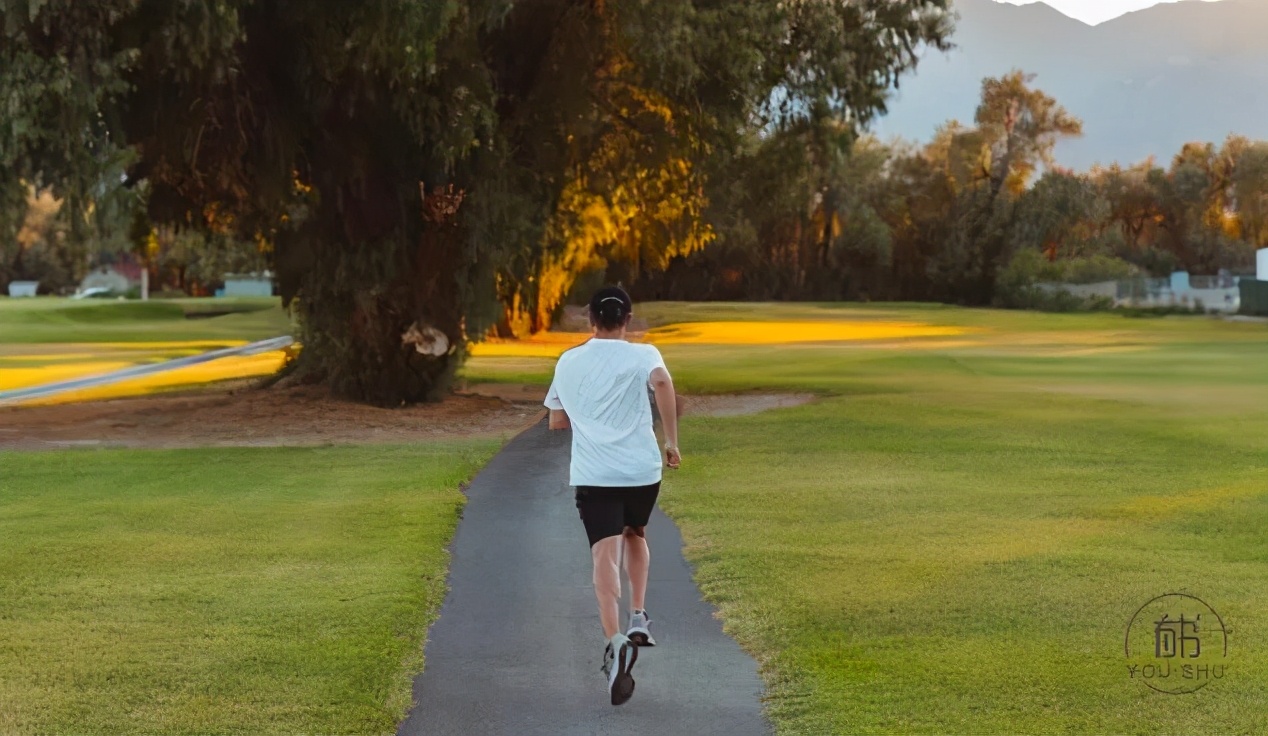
951,540
221,591
954,538
50,320
46,340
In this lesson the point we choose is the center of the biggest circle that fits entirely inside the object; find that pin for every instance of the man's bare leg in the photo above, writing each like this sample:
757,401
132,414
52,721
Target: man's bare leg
637,559
607,583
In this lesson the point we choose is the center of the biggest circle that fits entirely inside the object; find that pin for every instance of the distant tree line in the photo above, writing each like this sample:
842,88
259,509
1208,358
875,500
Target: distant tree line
976,216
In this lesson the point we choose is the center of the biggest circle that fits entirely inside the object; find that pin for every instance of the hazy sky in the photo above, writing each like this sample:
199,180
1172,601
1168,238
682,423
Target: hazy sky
1096,11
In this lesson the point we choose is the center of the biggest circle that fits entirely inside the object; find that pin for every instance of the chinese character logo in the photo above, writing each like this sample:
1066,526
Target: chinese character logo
1176,644
1167,633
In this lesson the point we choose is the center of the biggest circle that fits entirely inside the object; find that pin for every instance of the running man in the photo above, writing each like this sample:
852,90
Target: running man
600,391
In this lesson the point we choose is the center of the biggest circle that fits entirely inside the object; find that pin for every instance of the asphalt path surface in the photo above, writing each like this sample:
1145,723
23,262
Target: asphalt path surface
518,645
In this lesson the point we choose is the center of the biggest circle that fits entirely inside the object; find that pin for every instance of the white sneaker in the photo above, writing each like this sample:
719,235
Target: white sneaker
618,659
639,630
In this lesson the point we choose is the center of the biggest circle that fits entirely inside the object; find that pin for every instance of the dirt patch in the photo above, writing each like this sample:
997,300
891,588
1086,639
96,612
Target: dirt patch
250,417
712,405
243,416
515,393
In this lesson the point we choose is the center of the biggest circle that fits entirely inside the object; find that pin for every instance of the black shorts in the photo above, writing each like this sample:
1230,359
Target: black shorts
606,511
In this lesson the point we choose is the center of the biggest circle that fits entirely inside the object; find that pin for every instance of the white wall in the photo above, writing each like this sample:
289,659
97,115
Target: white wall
1155,294
1262,261
248,287
1107,289
1219,300
23,288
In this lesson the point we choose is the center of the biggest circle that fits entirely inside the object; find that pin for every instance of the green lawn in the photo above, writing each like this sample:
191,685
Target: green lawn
52,320
954,538
49,339
228,590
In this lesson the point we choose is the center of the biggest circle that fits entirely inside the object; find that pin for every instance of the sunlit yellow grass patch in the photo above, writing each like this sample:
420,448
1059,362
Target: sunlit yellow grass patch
46,364
1070,343
64,349
128,357
1108,349
60,352
779,333
198,345
543,345
552,344
1160,507
250,366
15,378
34,358
897,345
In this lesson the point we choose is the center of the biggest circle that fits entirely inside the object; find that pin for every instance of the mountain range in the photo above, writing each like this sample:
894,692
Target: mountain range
1144,84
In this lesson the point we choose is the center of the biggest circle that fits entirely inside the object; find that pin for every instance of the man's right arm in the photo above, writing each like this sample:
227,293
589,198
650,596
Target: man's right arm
559,419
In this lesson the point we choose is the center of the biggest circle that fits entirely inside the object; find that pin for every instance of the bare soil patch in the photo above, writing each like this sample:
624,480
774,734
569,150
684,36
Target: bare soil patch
713,405
250,417
244,416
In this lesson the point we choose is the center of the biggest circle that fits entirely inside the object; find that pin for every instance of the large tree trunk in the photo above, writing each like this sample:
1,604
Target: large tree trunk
388,346
382,308
385,351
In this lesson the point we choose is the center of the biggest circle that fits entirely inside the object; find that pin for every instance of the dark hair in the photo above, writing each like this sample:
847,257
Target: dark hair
610,308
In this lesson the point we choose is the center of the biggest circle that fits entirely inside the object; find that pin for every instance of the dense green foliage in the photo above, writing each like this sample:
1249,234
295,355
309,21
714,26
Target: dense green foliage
945,221
279,590
421,171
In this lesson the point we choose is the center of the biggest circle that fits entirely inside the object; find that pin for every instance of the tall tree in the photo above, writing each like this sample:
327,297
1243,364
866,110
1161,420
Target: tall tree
411,160
1021,126
1062,215
59,70
1018,127
1250,194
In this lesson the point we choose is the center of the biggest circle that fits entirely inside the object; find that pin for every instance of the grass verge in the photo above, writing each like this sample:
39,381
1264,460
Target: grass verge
956,541
47,340
215,591
51,320
955,537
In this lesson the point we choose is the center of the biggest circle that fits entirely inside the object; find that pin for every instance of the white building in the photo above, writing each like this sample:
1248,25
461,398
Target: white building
119,278
1210,293
23,288
252,284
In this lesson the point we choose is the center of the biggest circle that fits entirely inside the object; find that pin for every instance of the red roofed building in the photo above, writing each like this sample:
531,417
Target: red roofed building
117,277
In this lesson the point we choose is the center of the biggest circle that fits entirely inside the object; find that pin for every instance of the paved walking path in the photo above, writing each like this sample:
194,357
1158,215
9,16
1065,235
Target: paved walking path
517,647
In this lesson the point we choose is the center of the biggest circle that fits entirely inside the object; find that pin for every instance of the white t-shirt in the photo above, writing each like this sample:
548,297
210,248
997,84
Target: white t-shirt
602,385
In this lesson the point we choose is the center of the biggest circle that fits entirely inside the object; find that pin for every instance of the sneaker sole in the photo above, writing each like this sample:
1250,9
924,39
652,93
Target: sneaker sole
641,637
623,684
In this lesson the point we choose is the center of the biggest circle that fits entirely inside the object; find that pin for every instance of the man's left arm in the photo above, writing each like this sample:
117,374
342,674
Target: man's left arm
667,405
558,417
